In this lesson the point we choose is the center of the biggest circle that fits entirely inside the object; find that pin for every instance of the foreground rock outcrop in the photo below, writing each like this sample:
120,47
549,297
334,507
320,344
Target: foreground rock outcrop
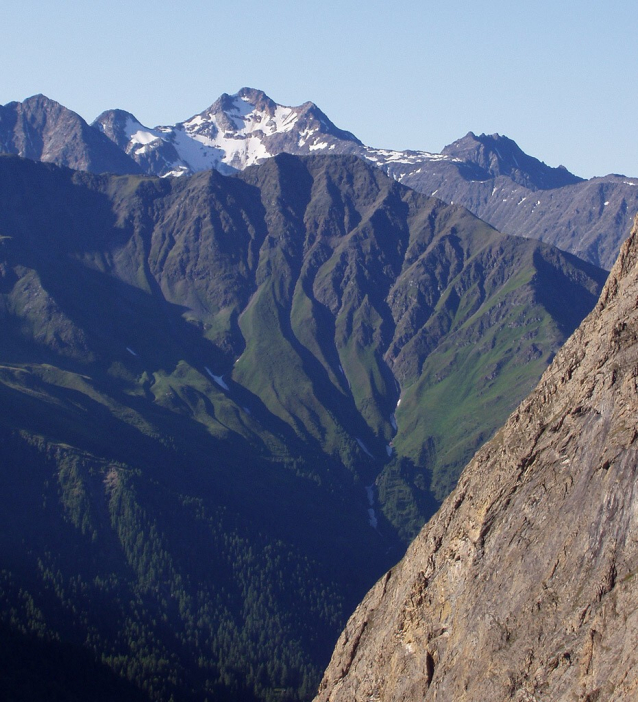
523,586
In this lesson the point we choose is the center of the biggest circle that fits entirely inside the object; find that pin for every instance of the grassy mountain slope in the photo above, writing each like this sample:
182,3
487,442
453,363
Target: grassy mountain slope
204,459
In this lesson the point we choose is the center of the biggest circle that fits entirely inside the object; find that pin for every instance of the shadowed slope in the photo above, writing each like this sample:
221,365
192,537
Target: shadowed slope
200,379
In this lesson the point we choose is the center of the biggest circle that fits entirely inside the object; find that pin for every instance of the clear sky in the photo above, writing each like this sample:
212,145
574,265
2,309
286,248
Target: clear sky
559,77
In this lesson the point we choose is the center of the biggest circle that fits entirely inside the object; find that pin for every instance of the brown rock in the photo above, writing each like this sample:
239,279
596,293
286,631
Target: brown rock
524,586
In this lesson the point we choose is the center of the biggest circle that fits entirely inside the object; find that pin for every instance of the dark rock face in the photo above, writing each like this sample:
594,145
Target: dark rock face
497,155
43,130
523,587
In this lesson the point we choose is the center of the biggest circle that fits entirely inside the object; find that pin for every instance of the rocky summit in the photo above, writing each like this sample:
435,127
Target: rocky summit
43,130
523,586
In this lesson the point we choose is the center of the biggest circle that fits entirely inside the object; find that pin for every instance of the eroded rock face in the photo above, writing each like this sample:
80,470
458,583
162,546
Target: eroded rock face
524,585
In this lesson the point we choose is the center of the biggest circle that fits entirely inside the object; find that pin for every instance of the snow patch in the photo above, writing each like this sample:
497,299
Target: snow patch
370,494
285,119
372,516
178,172
219,379
137,133
364,448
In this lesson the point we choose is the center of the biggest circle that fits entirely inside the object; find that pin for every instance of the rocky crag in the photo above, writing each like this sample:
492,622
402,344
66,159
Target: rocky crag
523,586
41,129
520,195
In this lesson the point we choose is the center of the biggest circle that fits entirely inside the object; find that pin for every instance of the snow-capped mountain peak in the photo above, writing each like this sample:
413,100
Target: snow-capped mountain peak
249,112
246,128
236,131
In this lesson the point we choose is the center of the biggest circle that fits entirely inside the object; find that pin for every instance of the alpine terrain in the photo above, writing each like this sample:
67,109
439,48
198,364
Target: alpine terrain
229,403
489,175
43,130
523,586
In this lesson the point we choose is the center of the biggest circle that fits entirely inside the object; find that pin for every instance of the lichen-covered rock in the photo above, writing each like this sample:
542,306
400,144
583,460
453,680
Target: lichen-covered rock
524,585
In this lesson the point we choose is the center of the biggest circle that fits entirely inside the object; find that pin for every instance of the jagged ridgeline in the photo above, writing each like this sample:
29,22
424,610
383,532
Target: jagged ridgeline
229,402
488,174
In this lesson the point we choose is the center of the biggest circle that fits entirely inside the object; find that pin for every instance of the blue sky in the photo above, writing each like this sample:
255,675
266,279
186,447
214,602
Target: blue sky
560,77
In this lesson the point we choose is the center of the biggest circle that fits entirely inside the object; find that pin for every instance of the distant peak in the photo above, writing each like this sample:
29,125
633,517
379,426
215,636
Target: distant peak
39,101
496,154
40,97
115,115
251,94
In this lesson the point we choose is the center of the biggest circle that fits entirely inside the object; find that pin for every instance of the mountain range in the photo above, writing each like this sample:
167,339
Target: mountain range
489,175
231,401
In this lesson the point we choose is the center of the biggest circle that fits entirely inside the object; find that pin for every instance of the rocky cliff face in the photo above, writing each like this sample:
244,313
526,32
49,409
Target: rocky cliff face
43,130
523,587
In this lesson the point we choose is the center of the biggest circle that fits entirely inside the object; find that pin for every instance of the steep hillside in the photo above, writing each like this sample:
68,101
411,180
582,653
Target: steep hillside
523,585
213,365
488,174
43,130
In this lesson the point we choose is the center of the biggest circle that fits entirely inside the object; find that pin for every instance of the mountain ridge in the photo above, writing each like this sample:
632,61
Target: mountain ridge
41,129
497,155
213,365
235,132
490,175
